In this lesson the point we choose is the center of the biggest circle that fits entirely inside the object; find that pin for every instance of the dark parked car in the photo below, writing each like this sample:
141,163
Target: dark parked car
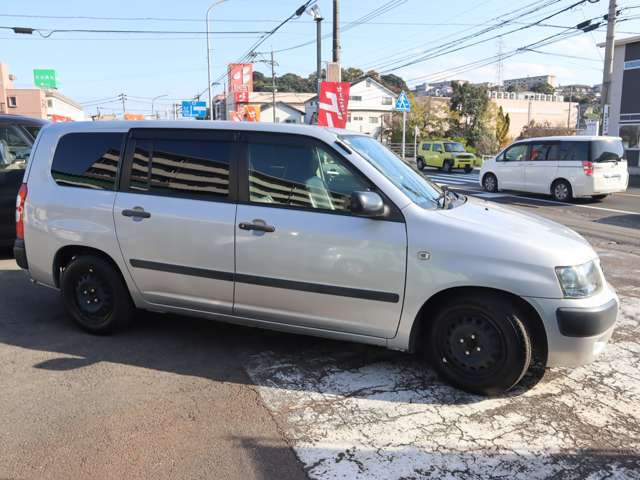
17,134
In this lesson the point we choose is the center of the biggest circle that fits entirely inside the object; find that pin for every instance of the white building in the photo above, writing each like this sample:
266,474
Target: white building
370,107
285,113
527,83
61,108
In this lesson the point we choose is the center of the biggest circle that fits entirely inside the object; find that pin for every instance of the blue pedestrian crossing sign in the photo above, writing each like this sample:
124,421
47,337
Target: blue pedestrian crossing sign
402,103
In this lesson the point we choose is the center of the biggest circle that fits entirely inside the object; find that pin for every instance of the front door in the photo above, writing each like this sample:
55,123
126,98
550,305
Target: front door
301,257
510,167
175,217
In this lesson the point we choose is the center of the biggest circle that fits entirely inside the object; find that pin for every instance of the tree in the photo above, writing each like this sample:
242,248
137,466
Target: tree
469,104
430,115
352,74
544,129
503,122
394,83
544,88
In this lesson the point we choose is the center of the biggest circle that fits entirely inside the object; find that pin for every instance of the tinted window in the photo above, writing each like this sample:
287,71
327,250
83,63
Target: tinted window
566,151
454,147
517,153
191,168
301,176
609,150
88,160
32,130
437,147
539,151
426,147
15,147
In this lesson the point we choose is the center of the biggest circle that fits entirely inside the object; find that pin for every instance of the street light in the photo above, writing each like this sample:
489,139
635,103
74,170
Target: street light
153,101
314,11
209,56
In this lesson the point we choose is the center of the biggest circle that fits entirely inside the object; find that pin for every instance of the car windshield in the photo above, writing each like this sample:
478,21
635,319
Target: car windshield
420,190
607,150
454,147
15,147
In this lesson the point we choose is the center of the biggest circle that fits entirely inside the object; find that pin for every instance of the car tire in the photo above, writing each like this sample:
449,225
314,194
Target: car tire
95,295
561,191
447,166
479,343
490,183
468,169
599,197
420,163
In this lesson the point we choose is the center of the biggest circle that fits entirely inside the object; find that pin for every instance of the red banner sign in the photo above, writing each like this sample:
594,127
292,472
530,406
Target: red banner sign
333,104
241,77
241,97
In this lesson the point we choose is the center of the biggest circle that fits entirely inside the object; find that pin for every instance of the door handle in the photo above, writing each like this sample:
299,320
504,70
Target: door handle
257,227
136,212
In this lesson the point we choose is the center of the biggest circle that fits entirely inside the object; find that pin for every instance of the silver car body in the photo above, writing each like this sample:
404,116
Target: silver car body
374,276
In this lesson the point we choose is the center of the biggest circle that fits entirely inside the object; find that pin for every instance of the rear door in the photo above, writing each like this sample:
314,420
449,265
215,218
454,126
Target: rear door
15,147
541,167
302,258
175,216
510,167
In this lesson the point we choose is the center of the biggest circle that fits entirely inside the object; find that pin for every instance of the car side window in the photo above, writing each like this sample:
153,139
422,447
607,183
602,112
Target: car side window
567,151
538,152
181,168
426,147
437,147
87,160
301,176
15,148
517,153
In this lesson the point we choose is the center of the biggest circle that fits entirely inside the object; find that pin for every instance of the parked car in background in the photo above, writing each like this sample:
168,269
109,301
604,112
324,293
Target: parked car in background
307,230
563,167
446,155
17,134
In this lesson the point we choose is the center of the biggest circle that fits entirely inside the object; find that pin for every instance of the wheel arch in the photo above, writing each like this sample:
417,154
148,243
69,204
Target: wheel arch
65,254
560,179
532,320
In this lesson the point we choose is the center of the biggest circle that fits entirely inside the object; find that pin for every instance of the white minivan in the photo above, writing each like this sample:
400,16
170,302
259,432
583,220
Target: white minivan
307,230
564,167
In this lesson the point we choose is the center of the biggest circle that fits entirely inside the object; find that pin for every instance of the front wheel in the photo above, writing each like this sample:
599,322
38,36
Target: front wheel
420,163
479,344
490,183
95,295
468,169
447,166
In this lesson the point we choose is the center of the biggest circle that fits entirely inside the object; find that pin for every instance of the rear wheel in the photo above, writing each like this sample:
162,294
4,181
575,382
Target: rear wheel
95,295
479,344
561,191
447,166
490,182
420,163
468,169
599,197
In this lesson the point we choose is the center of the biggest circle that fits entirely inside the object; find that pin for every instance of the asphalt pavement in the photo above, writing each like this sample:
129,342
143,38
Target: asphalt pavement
175,397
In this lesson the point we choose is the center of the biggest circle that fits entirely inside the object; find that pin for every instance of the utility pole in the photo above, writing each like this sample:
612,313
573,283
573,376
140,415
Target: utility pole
123,99
337,48
209,57
273,87
608,60
569,114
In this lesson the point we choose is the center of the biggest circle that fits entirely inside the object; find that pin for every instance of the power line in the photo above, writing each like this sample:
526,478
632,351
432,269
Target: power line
46,33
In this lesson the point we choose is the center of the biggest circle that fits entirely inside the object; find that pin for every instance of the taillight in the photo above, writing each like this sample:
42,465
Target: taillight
587,168
20,201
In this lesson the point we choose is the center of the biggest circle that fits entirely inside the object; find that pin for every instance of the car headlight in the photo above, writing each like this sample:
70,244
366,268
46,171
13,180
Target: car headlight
580,281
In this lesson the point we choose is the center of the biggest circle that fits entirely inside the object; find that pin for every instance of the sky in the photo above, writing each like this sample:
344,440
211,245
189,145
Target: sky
94,66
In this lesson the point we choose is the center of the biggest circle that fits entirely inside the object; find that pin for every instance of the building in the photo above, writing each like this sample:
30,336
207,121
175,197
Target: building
257,100
47,104
624,99
527,83
578,90
285,113
525,107
370,107
436,89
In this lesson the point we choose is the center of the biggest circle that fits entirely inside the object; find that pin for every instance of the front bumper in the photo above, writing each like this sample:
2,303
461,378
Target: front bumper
577,330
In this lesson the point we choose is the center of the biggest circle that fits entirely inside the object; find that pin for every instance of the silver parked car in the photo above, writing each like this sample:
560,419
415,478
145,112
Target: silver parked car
306,230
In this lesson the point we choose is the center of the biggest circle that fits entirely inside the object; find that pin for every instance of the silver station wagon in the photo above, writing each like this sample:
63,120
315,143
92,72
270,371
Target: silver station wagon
306,230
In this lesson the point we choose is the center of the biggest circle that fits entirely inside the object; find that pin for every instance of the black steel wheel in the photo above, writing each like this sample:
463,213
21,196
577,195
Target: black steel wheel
447,166
479,343
490,183
468,169
420,163
95,295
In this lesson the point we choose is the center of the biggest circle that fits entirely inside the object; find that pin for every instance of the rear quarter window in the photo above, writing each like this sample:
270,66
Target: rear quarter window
569,151
609,150
88,160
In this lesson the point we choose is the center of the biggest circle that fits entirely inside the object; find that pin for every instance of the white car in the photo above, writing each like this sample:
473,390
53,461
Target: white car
563,167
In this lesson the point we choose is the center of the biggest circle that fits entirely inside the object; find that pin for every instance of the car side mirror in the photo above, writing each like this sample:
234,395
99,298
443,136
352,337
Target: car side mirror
367,204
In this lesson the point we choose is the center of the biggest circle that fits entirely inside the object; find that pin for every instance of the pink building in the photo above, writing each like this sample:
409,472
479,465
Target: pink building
36,102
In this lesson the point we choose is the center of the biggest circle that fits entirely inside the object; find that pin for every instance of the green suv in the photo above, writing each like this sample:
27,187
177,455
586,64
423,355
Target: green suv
445,155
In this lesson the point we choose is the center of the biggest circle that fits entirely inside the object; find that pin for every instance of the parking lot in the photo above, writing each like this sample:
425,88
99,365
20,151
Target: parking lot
184,398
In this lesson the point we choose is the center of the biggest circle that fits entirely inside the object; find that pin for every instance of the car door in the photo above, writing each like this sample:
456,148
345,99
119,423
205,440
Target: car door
175,216
302,258
510,167
540,167
436,155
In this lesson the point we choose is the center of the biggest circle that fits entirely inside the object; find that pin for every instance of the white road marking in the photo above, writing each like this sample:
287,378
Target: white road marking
614,210
627,194
491,195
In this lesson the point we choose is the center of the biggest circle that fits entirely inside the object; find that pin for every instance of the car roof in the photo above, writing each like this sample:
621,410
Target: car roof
5,117
120,125
569,138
